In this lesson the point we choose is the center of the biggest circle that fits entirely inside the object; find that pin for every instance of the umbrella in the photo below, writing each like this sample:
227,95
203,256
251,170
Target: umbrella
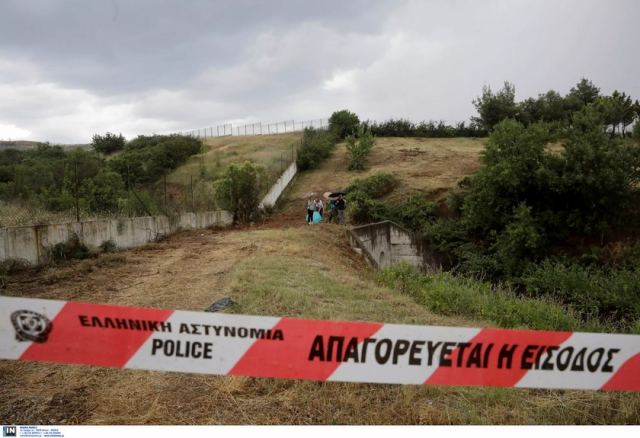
337,193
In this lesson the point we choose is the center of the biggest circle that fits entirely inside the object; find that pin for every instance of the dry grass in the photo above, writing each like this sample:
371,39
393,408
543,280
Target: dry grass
271,151
272,272
425,166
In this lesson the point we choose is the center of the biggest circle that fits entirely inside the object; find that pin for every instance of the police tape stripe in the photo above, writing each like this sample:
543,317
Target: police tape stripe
258,346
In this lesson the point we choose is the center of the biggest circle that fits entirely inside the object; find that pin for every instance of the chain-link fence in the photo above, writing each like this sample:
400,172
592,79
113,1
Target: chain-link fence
258,128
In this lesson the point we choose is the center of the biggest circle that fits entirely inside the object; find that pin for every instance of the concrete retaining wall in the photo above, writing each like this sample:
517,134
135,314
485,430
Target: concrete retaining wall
276,190
32,243
386,244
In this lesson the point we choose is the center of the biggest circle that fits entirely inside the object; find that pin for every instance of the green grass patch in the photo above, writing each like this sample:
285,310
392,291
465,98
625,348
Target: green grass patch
446,294
274,153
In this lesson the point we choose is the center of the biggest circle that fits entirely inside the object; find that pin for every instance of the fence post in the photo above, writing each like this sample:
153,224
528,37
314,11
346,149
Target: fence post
193,205
128,192
165,194
76,194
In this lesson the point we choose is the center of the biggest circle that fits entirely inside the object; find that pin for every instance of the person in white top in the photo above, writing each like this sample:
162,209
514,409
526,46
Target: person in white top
319,206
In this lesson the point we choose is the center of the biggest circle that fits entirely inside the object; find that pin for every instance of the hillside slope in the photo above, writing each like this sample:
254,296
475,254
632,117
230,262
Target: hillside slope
274,152
299,271
428,166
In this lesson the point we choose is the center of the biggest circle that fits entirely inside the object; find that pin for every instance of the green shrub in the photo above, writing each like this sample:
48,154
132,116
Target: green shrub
525,200
450,295
71,249
147,158
363,205
315,147
104,191
359,146
606,293
108,246
414,213
108,144
522,239
363,209
343,123
11,266
239,190
430,129
375,186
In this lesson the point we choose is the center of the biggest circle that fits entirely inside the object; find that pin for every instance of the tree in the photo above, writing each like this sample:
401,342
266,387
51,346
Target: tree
239,190
583,94
359,146
493,108
108,144
104,191
618,111
553,107
343,123
627,111
596,175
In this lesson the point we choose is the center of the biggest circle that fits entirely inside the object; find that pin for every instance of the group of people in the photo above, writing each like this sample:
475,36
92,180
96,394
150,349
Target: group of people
315,210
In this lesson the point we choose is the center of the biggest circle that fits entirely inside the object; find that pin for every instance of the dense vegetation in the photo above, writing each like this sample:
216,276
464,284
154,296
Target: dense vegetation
454,295
430,129
553,213
109,143
617,111
59,180
366,204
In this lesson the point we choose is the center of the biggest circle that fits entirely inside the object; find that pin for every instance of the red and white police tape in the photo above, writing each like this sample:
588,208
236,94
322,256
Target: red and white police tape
259,346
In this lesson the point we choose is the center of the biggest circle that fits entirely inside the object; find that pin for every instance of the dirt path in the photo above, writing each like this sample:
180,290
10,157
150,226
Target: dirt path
159,274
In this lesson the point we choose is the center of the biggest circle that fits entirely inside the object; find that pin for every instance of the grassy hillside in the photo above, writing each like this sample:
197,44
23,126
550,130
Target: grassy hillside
273,152
428,166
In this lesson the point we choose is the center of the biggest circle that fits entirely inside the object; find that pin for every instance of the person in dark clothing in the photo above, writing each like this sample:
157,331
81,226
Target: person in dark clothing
333,214
341,205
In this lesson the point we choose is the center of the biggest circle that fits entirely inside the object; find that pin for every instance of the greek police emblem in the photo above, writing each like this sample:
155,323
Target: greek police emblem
31,326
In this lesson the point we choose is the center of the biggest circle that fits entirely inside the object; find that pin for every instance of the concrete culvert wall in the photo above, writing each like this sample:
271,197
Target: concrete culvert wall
386,244
276,190
32,243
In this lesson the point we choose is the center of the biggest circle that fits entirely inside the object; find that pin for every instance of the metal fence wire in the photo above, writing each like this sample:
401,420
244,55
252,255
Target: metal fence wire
258,128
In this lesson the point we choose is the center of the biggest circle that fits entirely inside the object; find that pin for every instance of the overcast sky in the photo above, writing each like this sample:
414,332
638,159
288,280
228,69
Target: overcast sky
69,69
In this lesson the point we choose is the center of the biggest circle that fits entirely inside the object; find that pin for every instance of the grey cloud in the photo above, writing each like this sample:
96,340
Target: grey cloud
71,68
